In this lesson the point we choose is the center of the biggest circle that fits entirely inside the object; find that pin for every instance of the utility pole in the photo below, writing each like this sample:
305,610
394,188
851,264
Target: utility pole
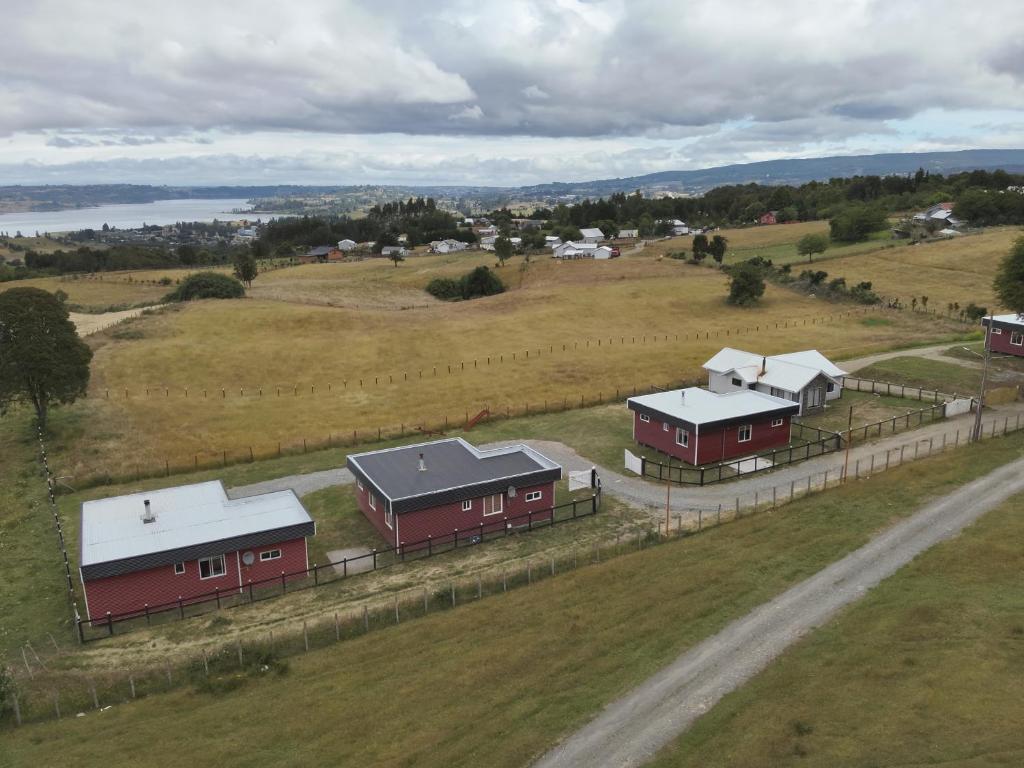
668,500
849,441
976,432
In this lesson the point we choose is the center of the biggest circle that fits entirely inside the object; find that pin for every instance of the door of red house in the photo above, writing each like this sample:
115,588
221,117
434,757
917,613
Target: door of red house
493,505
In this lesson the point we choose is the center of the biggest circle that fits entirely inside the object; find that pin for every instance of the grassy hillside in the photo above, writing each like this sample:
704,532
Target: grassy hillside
500,680
929,667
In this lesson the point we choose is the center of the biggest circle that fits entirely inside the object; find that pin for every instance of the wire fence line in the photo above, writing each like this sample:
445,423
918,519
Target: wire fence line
359,382
45,693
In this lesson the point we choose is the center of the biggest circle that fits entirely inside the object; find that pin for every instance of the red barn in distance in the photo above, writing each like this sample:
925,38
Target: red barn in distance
431,489
153,549
1007,334
771,217
702,427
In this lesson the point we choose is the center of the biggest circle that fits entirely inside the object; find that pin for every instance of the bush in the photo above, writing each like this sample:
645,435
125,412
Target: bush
207,285
746,286
480,282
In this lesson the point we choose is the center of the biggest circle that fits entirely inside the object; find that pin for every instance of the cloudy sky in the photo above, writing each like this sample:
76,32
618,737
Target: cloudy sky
506,92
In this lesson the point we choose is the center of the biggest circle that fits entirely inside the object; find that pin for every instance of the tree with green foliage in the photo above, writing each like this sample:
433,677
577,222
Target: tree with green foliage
808,245
503,249
480,282
260,249
207,285
746,285
855,223
717,248
42,359
187,254
1009,281
700,247
245,267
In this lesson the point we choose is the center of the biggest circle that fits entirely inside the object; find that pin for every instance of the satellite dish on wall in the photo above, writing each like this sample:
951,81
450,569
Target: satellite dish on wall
248,558
511,491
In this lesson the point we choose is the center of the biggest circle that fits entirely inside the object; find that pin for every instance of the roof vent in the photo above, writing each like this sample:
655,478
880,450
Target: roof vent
682,395
147,515
764,365
423,464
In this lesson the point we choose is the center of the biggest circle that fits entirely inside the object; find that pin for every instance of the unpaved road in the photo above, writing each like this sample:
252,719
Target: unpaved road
632,729
86,323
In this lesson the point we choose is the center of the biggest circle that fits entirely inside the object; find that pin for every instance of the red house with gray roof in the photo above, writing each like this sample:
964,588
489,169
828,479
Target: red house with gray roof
702,427
1006,336
158,549
433,489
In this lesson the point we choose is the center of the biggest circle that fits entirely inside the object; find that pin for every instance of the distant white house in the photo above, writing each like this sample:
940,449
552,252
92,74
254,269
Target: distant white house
403,239
346,245
591,235
939,214
679,227
487,243
447,246
388,250
552,241
577,250
629,234
487,231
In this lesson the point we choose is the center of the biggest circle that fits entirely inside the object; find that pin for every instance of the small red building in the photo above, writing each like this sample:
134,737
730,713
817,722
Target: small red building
1006,336
771,217
150,550
702,427
431,489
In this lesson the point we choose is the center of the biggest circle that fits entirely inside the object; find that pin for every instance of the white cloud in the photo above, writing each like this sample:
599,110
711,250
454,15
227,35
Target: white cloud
535,92
468,113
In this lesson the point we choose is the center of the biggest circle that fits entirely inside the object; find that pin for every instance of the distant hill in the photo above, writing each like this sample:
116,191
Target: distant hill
789,172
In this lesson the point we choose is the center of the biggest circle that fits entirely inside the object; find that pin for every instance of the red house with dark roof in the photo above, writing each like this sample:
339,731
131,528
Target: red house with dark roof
702,427
433,489
1006,335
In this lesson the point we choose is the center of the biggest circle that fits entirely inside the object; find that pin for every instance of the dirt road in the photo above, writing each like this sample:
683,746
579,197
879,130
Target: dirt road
632,729
86,323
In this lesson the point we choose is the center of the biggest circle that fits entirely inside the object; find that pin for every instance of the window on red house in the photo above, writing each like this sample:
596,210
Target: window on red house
211,567
744,433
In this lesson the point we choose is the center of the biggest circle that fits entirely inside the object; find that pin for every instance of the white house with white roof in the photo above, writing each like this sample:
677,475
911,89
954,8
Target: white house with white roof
591,235
577,250
808,377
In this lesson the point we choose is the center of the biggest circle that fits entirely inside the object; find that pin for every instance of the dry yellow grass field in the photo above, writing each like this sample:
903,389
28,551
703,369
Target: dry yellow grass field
318,354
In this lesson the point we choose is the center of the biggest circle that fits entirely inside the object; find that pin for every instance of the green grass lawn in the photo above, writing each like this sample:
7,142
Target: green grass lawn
501,680
867,409
785,253
926,670
975,350
922,372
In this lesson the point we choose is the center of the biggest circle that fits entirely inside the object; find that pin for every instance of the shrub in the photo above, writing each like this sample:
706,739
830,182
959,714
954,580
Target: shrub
746,286
974,313
480,282
444,288
207,285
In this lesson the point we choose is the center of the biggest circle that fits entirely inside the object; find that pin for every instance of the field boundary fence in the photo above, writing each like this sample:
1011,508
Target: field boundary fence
40,697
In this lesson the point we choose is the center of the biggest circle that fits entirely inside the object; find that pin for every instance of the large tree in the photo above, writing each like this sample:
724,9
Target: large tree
503,249
746,285
700,247
1009,282
42,360
808,245
717,248
245,267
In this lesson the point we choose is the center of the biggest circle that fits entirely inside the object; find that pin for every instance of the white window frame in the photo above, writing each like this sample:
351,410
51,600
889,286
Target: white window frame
179,569
467,505
664,426
739,433
371,499
682,437
1017,338
830,387
359,484
997,331
389,516
533,496
644,418
270,554
494,511
778,422
736,381
211,561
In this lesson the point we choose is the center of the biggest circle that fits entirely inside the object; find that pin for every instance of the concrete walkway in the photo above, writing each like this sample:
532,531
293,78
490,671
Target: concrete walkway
632,729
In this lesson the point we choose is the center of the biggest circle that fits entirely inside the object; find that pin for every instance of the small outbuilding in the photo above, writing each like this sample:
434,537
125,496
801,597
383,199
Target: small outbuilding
150,550
702,427
1007,334
591,235
433,489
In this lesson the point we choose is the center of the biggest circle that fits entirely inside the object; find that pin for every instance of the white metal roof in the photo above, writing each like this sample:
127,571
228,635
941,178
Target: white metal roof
790,372
112,529
592,232
699,406
1012,318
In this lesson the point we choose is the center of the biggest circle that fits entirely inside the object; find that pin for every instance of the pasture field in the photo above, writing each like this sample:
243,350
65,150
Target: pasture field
936,649
924,372
92,295
547,656
505,352
38,244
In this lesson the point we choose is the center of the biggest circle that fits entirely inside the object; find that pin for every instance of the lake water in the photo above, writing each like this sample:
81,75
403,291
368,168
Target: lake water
126,216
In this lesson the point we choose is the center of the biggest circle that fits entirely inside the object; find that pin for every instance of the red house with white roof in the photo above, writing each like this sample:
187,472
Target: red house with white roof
1006,335
702,427
431,489
158,549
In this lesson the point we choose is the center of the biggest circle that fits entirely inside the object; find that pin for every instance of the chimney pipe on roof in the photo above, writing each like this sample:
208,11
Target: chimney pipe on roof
423,464
147,515
764,365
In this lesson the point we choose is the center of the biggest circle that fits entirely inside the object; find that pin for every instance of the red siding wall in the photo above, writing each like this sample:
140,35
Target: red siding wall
1000,342
376,517
723,444
653,434
131,592
441,521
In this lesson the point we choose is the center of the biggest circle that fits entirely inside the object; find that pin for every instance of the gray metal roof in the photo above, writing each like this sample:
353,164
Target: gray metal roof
454,468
